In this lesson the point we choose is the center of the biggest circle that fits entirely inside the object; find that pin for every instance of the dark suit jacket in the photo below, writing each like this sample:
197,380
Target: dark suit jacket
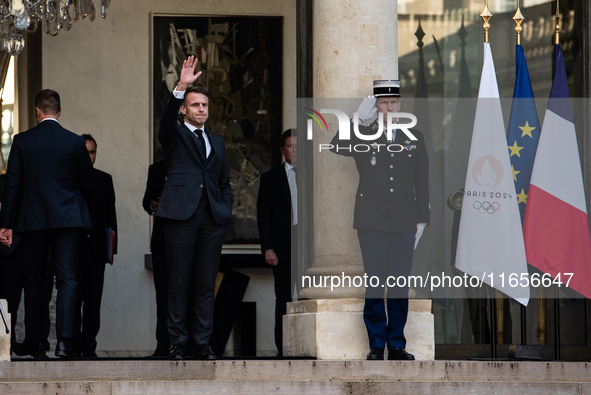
6,250
393,191
189,172
102,213
274,213
154,185
49,174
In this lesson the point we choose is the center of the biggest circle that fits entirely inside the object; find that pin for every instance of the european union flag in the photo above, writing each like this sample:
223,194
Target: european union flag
524,130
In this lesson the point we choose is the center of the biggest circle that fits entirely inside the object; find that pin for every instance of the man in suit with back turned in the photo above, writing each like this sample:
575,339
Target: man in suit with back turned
48,177
196,203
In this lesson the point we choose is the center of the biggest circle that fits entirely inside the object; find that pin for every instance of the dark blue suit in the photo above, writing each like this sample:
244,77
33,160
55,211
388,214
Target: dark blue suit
392,197
48,171
196,202
274,223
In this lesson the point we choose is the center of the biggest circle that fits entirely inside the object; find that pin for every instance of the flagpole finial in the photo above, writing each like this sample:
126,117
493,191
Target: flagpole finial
462,33
486,15
518,19
419,34
557,28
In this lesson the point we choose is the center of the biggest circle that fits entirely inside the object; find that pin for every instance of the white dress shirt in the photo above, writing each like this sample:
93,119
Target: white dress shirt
293,189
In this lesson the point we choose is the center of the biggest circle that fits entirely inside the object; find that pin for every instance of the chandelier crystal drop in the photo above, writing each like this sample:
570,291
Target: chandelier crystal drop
26,16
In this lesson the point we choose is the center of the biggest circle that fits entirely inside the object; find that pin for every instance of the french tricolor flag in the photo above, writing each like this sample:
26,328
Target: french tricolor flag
556,228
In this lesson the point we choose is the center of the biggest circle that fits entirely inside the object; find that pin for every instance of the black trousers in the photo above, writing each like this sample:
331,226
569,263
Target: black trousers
284,274
282,280
47,295
160,273
161,279
11,286
194,249
35,247
88,308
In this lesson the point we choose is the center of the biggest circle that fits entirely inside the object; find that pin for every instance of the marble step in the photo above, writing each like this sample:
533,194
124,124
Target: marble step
116,377
290,388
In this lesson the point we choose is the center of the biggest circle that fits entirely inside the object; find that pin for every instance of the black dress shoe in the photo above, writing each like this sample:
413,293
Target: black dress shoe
204,352
375,354
29,348
160,353
63,349
400,354
16,348
177,352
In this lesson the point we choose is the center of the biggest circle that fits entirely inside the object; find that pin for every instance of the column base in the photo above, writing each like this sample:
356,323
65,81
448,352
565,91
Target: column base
4,337
333,329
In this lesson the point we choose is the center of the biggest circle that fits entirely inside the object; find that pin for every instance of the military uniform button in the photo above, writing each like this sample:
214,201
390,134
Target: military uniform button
409,155
391,190
392,155
391,178
360,194
391,166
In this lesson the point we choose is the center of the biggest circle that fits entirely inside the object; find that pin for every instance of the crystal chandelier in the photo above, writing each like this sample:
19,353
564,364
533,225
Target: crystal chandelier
17,16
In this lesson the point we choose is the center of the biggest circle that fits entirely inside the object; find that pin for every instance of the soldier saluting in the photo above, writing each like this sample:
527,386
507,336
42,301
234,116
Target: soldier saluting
391,213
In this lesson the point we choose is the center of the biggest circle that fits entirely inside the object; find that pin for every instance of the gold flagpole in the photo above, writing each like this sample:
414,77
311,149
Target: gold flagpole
541,299
518,19
557,28
486,15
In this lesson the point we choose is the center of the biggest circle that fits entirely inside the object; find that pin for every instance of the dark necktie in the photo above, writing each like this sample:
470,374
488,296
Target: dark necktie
199,134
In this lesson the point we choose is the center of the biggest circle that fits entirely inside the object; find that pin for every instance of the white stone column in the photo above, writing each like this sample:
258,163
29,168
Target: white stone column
355,43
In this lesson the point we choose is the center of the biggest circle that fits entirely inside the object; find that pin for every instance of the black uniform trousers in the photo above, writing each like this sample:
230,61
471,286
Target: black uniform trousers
386,254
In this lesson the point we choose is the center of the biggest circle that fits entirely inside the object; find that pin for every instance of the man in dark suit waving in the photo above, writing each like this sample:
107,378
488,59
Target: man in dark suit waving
48,171
196,202
276,216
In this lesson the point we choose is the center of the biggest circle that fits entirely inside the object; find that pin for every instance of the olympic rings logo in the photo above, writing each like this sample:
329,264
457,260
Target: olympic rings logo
486,207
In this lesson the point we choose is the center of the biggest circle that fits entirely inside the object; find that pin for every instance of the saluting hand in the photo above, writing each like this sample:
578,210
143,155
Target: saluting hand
367,109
